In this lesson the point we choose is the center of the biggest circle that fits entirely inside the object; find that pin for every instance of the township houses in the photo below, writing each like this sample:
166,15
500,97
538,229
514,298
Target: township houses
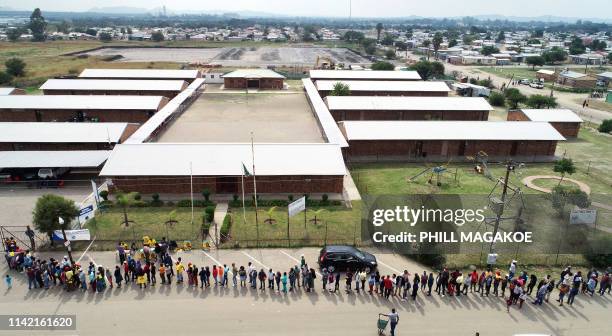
563,120
254,79
408,108
575,79
114,87
373,141
30,108
386,88
62,136
546,75
148,74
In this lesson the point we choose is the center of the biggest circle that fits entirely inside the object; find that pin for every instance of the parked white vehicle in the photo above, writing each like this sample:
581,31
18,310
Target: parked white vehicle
536,85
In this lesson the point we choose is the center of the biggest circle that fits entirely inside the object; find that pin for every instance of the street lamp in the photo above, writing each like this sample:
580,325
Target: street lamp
66,241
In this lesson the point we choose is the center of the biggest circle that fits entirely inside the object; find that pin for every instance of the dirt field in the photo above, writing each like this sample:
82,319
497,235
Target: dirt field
234,56
230,117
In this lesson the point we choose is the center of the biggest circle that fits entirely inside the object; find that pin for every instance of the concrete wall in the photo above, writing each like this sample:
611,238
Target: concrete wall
440,150
409,115
230,184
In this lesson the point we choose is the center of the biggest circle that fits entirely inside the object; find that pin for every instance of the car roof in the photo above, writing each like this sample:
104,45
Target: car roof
339,248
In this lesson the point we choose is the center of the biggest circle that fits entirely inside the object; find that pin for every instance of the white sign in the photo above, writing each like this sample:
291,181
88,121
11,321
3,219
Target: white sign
583,216
95,191
72,235
491,258
297,206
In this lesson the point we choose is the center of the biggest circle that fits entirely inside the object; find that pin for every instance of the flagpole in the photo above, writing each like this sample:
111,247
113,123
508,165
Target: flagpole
254,187
191,187
243,201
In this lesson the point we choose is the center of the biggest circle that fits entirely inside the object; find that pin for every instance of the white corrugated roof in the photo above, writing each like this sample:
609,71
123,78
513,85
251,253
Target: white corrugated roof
113,84
391,86
143,133
385,103
552,115
253,73
364,74
53,159
223,159
139,73
326,120
5,91
80,102
449,130
61,132
546,72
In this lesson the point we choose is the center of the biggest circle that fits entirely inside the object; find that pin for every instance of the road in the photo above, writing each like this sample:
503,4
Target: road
237,311
569,100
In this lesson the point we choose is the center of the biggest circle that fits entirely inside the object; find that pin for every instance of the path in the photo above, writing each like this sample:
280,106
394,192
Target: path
215,227
528,182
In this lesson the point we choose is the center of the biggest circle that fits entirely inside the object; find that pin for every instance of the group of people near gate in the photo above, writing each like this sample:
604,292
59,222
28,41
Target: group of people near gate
153,265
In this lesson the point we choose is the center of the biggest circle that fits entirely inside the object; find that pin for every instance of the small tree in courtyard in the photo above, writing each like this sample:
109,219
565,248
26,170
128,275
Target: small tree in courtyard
47,211
564,166
125,201
341,89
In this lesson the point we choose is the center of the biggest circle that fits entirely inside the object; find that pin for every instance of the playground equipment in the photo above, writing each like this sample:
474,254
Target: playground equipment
436,171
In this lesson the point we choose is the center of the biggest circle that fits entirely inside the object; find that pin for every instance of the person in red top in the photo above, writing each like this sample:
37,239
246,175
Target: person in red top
215,274
388,286
473,280
126,270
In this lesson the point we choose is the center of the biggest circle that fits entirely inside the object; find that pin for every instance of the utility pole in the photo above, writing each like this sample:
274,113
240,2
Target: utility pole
66,241
500,211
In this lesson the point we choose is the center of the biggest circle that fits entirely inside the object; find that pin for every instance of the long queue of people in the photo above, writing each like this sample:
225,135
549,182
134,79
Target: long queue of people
155,266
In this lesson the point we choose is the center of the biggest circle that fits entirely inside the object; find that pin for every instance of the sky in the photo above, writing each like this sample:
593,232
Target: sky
340,8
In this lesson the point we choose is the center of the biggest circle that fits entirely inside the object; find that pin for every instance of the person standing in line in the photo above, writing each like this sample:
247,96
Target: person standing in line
377,280
126,271
154,275
262,280
533,279
291,279
234,275
8,280
207,276
169,274
109,277
348,281
324,278
388,286
393,320
430,282
226,271
118,277
243,276
473,281
179,271
277,278
270,279
423,281
297,272
362,277
415,286
371,283
30,233
337,285
215,274
284,281
221,274
162,273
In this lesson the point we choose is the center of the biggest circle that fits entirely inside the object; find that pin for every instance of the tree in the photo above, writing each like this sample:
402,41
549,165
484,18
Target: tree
564,166
157,36
47,211
599,45
63,27
488,50
606,126
13,34
369,46
91,31
437,41
535,60
554,55
341,89
317,213
270,213
354,36
125,201
390,54
129,30
428,69
383,66
514,97
452,43
488,83
497,99
387,40
379,29
105,37
5,77
426,43
37,25
15,67
501,36
576,46
540,101
401,46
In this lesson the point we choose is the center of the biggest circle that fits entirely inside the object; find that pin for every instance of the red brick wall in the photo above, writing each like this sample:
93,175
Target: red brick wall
167,94
376,150
264,83
567,129
340,115
10,146
394,93
131,116
230,185
516,115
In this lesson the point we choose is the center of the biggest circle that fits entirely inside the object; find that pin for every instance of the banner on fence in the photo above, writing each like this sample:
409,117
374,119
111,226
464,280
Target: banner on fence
72,235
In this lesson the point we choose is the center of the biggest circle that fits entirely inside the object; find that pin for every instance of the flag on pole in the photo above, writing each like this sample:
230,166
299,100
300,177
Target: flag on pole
245,171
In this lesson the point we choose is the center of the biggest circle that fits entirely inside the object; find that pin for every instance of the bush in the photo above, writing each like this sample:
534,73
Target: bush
209,213
15,67
226,227
155,200
206,194
104,194
235,198
290,198
606,126
137,196
184,204
155,197
383,66
497,99
5,77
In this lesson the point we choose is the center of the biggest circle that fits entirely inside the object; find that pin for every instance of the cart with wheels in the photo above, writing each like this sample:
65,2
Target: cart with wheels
383,320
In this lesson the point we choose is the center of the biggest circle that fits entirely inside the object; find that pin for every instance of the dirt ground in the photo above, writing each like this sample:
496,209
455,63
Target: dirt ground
239,56
230,117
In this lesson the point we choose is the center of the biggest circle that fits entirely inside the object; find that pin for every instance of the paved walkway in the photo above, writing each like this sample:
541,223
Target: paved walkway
528,182
213,233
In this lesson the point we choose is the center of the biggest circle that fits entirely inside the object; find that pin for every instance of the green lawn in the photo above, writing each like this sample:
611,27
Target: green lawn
107,225
336,224
590,151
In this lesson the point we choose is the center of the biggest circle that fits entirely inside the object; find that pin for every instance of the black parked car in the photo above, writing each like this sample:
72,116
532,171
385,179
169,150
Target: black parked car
341,257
